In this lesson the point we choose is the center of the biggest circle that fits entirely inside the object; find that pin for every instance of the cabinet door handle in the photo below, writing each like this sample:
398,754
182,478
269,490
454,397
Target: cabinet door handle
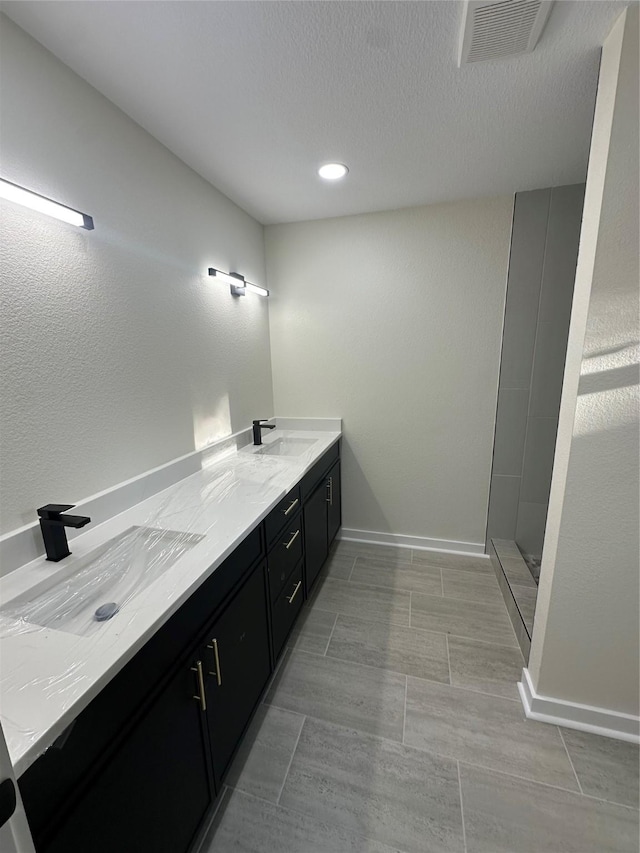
201,696
330,491
291,506
218,672
288,544
294,593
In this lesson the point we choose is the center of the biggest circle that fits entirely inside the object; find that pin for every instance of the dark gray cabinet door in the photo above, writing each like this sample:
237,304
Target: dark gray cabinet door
237,666
155,792
315,533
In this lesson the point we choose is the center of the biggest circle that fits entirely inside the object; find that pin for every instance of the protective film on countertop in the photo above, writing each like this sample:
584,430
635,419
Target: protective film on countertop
96,598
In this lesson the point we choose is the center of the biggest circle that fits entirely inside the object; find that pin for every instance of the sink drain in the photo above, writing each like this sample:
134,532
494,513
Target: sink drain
106,611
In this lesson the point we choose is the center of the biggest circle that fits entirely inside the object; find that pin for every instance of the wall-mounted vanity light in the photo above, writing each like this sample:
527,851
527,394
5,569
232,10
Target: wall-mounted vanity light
239,286
34,201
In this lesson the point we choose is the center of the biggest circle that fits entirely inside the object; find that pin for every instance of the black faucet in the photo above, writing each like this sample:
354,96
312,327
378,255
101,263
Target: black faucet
52,524
258,426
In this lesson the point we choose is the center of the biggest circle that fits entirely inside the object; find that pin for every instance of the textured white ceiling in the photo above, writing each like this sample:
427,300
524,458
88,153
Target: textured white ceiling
256,95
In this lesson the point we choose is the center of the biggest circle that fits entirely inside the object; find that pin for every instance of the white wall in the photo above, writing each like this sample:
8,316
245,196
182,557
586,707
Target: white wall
393,321
585,645
118,352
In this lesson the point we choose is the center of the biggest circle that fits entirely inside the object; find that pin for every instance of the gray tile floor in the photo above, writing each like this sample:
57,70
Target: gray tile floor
393,725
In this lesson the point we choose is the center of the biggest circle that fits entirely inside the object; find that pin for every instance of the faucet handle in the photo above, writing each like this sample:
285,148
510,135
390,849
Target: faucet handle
52,511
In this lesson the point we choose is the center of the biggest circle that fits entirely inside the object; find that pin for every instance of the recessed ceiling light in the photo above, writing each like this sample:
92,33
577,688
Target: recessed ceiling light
332,171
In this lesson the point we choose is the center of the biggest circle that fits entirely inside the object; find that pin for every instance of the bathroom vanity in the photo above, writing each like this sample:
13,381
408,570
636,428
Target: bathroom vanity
140,767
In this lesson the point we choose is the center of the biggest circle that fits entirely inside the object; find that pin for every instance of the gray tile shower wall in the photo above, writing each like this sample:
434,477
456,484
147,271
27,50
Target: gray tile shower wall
526,266
503,507
511,431
544,250
530,526
526,263
554,315
538,459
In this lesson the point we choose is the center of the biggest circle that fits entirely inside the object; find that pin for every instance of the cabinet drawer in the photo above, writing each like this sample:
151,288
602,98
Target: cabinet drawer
282,513
286,608
285,553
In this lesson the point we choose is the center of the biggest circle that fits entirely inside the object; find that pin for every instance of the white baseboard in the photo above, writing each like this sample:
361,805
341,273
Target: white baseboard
419,543
573,715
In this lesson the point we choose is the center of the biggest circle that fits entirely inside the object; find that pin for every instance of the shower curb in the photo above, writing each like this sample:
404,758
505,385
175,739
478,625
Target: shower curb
522,633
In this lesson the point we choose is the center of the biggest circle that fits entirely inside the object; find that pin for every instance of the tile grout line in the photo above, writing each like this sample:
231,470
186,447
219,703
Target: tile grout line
566,749
297,650
365,733
541,784
297,811
377,617
361,618
290,761
464,829
410,675
475,640
394,590
382,670
257,797
362,665
485,768
442,583
404,718
353,565
333,628
473,601
483,573
446,641
497,605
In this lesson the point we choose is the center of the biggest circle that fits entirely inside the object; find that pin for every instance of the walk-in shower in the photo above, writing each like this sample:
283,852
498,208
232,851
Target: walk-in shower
542,265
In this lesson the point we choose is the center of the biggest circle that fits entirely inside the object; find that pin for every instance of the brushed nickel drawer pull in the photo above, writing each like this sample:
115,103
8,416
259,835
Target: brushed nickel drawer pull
288,544
291,506
330,491
218,672
201,698
294,593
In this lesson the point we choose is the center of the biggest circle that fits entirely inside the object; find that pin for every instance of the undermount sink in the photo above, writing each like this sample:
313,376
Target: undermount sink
92,590
287,446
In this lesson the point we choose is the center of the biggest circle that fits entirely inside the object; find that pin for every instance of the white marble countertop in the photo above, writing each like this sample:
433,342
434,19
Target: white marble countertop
48,676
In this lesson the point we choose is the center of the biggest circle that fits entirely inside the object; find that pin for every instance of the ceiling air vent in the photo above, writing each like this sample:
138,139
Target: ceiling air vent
493,30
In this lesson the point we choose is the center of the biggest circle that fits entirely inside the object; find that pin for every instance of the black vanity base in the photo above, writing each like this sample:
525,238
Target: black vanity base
141,767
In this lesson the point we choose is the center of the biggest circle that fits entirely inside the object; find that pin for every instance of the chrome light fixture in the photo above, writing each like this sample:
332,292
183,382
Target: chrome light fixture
239,286
35,201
